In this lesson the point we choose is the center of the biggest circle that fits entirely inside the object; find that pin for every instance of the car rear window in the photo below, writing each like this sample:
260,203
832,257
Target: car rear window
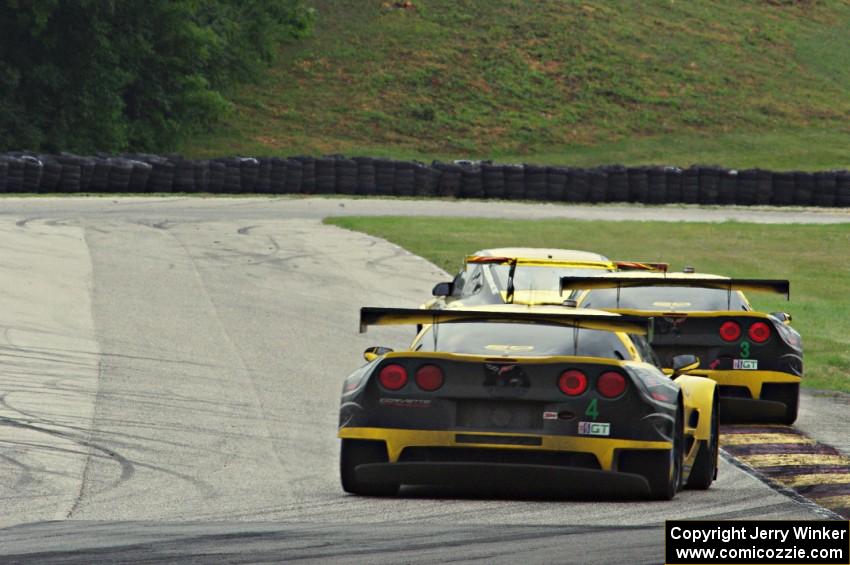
673,299
527,340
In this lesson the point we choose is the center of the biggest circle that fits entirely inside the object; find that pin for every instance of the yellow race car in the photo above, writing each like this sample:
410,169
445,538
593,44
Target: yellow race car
523,275
755,357
500,395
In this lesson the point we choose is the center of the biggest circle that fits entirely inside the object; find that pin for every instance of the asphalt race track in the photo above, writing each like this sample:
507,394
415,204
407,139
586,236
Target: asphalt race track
169,390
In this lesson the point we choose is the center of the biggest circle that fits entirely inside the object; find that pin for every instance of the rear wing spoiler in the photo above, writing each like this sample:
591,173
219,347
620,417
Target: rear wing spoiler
538,262
370,316
641,266
776,286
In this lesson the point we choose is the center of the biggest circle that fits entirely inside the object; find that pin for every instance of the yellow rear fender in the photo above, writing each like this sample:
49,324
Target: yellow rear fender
697,395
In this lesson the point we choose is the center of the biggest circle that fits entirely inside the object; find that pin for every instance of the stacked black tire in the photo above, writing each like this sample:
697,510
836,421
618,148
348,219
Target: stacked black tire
22,172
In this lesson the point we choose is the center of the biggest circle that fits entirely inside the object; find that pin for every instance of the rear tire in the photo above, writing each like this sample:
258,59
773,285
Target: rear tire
665,485
355,452
661,469
704,470
792,404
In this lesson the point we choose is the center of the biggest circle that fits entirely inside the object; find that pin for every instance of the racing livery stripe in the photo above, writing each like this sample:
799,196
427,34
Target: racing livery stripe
787,458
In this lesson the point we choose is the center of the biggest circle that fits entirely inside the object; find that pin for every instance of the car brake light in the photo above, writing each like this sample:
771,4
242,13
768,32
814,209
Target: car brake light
393,377
759,332
730,331
572,382
429,377
611,384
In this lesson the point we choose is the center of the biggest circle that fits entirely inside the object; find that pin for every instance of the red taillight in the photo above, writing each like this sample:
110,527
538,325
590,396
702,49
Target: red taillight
759,332
572,382
611,384
393,377
429,377
730,331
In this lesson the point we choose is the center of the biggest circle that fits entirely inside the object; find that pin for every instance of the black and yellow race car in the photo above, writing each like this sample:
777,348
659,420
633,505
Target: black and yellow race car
510,394
523,275
755,357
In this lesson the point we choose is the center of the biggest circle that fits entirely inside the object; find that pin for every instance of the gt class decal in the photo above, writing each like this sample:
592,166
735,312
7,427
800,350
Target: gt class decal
594,428
745,364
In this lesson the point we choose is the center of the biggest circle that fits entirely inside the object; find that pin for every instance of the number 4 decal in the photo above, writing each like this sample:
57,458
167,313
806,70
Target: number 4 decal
592,409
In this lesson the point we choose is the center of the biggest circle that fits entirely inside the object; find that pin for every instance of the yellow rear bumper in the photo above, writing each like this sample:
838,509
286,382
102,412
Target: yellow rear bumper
398,439
753,380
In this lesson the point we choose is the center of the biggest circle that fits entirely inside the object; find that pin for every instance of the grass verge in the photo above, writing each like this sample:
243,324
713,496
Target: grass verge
811,256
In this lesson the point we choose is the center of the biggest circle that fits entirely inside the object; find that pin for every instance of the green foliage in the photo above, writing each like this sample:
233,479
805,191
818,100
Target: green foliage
513,80
108,75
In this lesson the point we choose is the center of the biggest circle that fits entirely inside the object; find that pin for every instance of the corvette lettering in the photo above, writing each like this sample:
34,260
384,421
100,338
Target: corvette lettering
405,402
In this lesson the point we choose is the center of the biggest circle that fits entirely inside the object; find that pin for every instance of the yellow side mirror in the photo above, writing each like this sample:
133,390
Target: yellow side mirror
373,353
684,363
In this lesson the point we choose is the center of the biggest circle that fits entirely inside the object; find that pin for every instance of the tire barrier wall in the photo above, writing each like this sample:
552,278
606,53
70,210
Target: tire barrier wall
22,172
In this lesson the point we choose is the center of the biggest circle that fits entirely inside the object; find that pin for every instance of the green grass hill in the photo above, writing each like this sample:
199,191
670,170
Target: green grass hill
733,82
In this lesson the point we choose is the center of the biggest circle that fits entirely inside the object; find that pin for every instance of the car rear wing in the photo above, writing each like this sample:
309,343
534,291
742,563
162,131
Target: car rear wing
545,262
537,262
776,286
641,266
370,316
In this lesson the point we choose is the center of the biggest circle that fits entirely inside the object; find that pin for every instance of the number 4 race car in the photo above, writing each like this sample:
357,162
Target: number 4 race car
506,394
756,358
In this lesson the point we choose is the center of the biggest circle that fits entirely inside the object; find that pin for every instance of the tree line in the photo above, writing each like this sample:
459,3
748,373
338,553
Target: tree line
126,75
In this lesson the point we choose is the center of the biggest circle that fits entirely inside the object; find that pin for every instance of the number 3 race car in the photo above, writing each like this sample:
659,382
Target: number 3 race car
497,395
756,358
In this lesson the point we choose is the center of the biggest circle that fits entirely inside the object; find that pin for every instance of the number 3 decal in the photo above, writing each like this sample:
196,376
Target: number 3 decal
745,349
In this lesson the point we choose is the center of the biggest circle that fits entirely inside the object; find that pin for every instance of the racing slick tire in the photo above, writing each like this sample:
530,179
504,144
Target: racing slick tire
705,466
666,482
661,469
356,452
